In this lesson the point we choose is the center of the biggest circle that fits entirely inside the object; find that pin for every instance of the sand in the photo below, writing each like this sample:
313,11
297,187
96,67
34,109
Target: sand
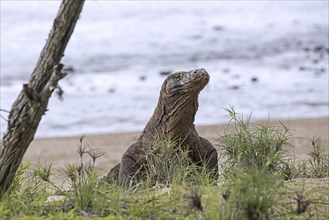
63,150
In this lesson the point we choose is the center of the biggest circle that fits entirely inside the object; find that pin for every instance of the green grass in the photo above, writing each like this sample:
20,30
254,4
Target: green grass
315,165
248,146
254,166
252,195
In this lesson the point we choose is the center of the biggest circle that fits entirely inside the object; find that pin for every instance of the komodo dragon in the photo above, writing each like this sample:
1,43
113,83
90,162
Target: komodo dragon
173,118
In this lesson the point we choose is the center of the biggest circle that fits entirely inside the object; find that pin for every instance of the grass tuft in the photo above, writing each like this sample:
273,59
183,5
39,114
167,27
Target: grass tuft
315,165
246,146
44,171
251,195
318,160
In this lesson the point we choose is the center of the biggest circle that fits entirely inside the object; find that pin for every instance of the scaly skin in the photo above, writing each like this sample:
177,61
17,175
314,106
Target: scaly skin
173,118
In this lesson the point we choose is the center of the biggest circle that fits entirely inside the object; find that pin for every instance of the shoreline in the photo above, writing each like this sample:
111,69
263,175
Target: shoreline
61,151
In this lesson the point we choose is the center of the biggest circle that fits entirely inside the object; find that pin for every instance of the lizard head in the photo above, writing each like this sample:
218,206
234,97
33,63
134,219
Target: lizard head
189,82
178,102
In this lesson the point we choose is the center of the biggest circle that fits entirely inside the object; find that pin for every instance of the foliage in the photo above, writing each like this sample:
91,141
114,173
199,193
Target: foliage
251,195
318,160
315,165
246,146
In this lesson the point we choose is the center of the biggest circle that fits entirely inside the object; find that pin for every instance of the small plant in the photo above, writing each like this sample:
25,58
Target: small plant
43,171
19,178
304,198
318,160
316,165
84,190
302,203
251,195
246,146
84,178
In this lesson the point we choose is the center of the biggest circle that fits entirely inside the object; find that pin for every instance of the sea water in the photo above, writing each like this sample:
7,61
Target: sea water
268,58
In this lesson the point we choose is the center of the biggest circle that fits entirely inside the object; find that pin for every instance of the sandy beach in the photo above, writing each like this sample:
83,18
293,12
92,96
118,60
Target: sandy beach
62,150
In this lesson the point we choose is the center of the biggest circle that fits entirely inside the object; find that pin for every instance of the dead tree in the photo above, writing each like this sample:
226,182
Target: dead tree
32,102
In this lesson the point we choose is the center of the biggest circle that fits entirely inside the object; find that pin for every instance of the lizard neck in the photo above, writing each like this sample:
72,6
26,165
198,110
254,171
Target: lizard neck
173,117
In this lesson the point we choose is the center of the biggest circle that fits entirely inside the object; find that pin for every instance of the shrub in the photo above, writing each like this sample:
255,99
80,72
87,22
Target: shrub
251,195
246,146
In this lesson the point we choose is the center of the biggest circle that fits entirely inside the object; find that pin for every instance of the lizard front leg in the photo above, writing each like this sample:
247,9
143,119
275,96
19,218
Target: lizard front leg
131,164
210,158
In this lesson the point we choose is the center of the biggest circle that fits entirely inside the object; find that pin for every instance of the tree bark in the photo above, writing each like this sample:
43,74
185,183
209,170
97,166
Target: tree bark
32,101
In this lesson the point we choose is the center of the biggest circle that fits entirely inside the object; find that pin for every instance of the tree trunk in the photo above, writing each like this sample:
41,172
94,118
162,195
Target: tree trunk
32,101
